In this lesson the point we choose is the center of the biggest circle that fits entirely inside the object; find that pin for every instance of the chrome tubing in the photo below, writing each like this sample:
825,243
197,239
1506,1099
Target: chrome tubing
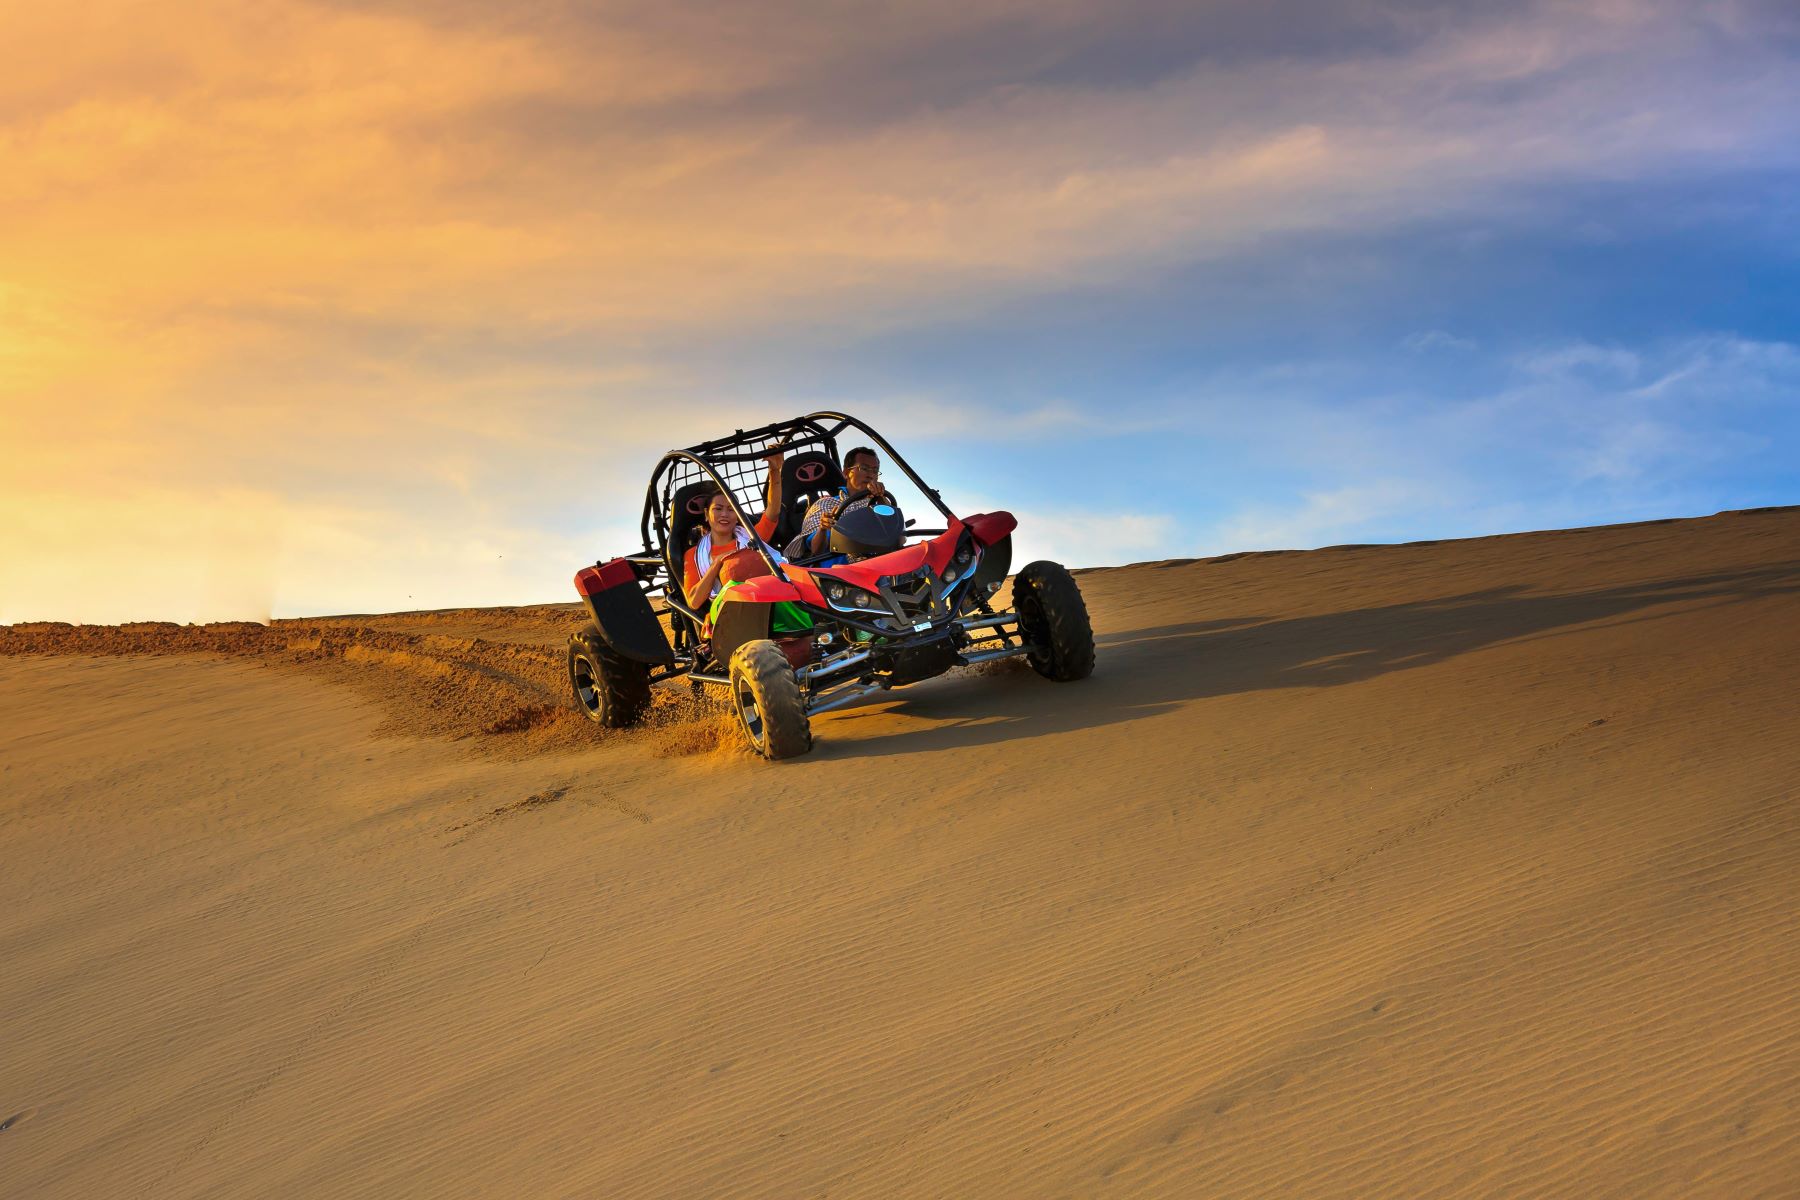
840,696
981,656
988,622
842,660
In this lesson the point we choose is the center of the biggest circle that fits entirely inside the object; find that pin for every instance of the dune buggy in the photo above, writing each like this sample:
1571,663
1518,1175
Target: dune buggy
888,604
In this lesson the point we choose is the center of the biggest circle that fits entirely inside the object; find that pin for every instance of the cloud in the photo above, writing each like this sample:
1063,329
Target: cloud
1083,539
1427,340
1581,359
1656,415
1320,518
463,267
233,554
385,163
937,418
1576,432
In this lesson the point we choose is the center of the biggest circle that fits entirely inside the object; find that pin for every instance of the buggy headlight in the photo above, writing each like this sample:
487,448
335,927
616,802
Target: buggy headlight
852,599
962,563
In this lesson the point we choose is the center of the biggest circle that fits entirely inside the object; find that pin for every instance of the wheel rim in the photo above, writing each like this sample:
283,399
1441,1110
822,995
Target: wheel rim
587,690
748,714
1031,629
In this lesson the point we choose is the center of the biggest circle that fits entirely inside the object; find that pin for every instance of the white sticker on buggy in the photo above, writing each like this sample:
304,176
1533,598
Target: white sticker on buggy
921,626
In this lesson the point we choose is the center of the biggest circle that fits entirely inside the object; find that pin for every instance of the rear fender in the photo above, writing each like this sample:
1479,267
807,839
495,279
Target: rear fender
623,613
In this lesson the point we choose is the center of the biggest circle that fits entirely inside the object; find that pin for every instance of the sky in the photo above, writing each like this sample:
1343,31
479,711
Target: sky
318,307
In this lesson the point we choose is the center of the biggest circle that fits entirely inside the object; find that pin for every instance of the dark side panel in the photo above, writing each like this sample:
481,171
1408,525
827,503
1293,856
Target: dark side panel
996,561
739,621
623,612
921,660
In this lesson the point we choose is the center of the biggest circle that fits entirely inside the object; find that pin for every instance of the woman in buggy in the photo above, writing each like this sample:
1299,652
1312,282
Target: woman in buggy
725,555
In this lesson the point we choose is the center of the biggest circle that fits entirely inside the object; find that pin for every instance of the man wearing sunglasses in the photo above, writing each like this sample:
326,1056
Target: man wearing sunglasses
863,486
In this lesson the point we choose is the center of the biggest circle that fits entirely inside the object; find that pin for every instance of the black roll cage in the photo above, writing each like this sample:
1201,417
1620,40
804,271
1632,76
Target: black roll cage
741,458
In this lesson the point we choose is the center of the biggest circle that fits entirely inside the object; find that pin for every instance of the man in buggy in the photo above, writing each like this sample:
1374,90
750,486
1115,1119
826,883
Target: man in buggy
862,489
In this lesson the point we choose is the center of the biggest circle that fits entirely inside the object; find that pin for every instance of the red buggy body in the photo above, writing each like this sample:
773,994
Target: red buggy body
915,607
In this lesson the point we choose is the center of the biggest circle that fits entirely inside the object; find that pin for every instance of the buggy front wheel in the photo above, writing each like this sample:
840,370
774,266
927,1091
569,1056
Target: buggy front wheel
1054,621
766,698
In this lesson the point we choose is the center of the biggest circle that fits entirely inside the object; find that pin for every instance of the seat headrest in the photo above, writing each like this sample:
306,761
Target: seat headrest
687,510
808,474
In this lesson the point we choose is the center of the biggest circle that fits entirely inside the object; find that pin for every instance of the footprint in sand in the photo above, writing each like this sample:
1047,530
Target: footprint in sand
18,1118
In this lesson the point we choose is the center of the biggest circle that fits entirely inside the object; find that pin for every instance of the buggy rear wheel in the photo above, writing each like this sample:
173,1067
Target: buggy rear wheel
766,698
1054,621
610,689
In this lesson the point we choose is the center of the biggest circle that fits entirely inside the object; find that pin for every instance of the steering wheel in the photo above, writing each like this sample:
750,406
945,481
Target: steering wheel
809,559
849,499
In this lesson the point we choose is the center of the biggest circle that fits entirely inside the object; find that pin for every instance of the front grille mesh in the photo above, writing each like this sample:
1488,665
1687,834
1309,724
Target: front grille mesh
913,591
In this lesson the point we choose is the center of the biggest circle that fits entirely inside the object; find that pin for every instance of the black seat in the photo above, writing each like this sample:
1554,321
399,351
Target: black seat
804,478
687,516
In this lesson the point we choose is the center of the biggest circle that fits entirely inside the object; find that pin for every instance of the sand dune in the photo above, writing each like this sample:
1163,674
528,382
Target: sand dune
1468,868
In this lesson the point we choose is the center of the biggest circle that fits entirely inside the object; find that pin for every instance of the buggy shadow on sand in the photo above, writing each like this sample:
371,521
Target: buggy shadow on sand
884,613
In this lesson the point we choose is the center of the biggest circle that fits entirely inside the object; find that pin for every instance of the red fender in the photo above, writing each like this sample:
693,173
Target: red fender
766,589
989,528
868,573
935,554
591,581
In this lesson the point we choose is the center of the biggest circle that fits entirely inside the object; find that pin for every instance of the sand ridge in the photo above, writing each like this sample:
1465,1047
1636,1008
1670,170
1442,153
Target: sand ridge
507,691
1453,869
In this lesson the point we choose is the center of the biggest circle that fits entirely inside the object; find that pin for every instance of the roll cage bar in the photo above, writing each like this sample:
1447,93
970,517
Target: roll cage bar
735,465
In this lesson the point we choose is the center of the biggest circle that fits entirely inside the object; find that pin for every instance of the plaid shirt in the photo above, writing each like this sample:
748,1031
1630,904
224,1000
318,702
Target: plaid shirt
828,504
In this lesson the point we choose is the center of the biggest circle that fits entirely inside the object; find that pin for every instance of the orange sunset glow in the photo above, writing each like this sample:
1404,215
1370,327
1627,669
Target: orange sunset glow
311,307
983,600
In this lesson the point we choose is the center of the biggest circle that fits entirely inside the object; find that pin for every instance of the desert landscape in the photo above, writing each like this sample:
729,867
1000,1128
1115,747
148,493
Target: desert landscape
1466,868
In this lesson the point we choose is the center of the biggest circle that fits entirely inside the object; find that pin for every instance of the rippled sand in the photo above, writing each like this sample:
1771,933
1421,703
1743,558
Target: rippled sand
1469,868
